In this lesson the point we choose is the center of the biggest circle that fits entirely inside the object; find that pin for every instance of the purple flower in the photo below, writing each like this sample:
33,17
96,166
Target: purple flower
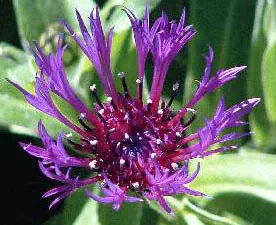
134,148
113,194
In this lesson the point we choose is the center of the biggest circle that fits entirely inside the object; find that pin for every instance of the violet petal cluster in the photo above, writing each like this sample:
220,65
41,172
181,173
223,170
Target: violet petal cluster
134,148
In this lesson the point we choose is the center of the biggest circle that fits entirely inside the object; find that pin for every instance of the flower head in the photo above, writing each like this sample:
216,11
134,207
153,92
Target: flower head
133,147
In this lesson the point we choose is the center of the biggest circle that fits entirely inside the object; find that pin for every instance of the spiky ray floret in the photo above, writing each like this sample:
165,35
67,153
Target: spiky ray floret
135,148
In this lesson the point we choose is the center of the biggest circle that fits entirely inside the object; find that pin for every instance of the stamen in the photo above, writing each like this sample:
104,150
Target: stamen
85,126
93,142
110,99
92,164
101,111
99,114
74,144
69,135
93,90
149,102
122,161
153,155
160,111
140,89
174,94
135,185
192,118
126,136
123,78
159,142
163,103
111,130
174,166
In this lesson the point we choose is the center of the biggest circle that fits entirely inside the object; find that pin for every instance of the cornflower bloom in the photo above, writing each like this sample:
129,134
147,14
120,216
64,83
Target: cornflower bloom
134,148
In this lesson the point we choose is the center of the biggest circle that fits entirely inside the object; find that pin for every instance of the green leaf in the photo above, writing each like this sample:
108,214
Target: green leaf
129,214
224,26
78,209
258,118
149,216
17,115
268,67
34,16
242,184
113,15
244,172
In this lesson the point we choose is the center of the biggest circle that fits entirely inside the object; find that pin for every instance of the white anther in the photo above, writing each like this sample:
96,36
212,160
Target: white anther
101,111
160,111
121,75
92,164
122,161
69,135
138,81
153,155
191,110
177,134
135,185
126,136
93,87
82,115
93,142
174,166
158,141
140,138
109,99
112,130
175,86
149,101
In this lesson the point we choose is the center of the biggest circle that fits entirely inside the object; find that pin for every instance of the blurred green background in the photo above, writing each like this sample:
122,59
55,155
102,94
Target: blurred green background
242,32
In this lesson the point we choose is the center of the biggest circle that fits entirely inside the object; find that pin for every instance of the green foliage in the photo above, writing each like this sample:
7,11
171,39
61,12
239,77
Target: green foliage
218,24
261,77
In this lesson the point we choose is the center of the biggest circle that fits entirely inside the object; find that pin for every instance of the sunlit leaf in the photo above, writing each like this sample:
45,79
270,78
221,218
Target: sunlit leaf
253,174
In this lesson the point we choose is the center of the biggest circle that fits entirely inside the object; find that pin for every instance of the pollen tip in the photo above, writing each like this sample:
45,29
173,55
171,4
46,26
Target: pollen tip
160,111
149,101
93,87
92,164
68,135
178,134
191,110
121,75
174,166
122,161
111,130
135,185
175,86
159,142
101,111
138,81
82,115
93,142
153,155
109,99
126,136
